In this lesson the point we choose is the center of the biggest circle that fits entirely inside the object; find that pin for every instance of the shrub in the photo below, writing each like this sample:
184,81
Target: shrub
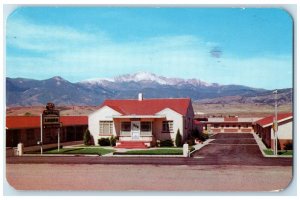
203,136
178,140
288,146
190,141
113,141
192,149
86,137
104,142
195,133
166,143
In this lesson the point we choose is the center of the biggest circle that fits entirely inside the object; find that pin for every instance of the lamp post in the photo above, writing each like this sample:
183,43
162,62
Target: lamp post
275,124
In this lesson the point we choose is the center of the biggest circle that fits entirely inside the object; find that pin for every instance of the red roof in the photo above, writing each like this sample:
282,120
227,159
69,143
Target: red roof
148,106
269,120
17,122
230,119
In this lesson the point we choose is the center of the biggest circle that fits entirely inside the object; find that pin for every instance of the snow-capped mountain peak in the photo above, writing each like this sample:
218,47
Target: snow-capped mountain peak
141,76
146,77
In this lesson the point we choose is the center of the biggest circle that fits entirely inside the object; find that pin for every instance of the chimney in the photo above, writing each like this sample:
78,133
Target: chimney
140,96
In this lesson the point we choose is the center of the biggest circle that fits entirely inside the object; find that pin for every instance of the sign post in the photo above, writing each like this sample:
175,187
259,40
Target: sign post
58,136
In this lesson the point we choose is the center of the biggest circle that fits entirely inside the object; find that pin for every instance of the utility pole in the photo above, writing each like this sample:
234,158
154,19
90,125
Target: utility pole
41,124
275,124
58,139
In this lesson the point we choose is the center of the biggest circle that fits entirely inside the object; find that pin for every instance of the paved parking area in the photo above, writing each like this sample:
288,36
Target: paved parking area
236,149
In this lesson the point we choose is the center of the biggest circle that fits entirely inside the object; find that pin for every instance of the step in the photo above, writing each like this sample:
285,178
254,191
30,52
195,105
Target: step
132,145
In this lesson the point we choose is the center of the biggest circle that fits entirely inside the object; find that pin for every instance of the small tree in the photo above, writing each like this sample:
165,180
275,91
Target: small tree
87,137
178,140
113,141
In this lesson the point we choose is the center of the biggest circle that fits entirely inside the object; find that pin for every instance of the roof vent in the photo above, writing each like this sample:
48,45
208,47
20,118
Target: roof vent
140,96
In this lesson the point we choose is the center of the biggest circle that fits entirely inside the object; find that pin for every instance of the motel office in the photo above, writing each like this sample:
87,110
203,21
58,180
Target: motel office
142,120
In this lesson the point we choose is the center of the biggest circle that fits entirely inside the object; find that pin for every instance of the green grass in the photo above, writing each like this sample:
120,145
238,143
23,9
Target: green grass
286,153
163,151
98,151
282,152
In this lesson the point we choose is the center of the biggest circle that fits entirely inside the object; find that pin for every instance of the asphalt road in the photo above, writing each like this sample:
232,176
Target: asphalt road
226,149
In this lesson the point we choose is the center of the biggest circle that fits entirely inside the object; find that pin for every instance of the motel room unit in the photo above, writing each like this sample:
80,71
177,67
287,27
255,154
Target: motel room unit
264,129
214,125
26,130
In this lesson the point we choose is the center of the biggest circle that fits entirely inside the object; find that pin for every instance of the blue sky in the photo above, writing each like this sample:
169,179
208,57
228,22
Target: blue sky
249,46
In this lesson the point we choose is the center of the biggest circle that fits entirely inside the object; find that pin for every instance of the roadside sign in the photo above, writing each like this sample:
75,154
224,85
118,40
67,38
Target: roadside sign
50,117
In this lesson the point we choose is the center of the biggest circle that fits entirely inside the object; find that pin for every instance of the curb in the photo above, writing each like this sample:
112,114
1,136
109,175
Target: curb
262,147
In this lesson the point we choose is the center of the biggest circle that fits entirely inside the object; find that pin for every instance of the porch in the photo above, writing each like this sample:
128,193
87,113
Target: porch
138,130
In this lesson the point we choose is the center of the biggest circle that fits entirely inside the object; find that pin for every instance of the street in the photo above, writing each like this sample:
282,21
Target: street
232,162
147,177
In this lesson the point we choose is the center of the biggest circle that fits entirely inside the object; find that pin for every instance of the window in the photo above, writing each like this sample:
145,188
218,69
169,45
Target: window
245,125
167,126
30,134
226,125
106,127
145,126
216,125
125,126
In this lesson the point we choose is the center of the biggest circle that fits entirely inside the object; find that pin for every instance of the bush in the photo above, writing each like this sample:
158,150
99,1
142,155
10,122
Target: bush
166,143
203,136
86,137
195,133
178,140
113,141
192,149
288,146
104,142
190,141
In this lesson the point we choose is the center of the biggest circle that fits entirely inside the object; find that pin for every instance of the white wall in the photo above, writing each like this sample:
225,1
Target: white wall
285,131
177,124
103,114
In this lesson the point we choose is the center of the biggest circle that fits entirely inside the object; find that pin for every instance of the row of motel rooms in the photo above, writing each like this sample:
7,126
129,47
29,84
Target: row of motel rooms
146,121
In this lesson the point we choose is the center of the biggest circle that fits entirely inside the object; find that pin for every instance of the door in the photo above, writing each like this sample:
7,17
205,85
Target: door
135,130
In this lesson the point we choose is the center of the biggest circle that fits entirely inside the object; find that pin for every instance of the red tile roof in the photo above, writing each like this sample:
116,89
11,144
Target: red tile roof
269,120
148,106
18,122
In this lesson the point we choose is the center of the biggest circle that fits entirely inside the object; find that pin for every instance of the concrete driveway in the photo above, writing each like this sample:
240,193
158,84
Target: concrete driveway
236,149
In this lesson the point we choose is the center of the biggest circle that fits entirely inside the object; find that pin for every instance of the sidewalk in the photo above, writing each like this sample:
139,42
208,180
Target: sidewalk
199,146
263,147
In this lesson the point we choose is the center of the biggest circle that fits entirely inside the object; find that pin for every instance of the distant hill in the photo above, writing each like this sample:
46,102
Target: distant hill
29,92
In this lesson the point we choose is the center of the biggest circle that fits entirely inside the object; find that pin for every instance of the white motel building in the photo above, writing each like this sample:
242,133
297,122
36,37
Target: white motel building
142,120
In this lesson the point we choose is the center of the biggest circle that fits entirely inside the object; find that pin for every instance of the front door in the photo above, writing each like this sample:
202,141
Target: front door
135,130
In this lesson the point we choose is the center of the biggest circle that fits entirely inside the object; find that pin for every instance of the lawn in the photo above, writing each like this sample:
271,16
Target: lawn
161,151
98,151
283,153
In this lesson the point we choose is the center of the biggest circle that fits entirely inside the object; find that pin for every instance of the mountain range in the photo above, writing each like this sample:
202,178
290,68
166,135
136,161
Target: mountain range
30,92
